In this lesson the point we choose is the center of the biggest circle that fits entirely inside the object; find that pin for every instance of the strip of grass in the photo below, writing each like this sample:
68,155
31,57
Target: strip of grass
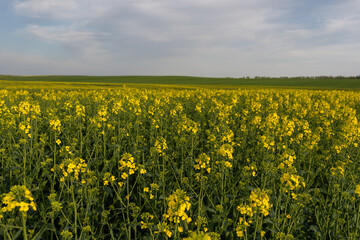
146,81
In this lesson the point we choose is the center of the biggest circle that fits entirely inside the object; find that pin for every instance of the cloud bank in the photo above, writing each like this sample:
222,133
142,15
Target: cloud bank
204,37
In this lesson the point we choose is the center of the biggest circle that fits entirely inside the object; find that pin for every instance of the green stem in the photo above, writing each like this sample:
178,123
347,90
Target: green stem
200,202
24,163
357,218
127,206
80,137
53,182
24,225
75,209
222,185
104,143
256,225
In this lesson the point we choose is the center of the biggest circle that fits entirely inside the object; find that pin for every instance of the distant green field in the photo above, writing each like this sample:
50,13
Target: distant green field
180,81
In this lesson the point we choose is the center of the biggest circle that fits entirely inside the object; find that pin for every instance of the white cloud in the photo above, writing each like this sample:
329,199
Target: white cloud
203,37
63,9
343,17
149,29
64,34
347,23
84,44
161,20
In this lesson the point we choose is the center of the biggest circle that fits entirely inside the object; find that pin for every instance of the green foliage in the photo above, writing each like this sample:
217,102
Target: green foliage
163,163
181,82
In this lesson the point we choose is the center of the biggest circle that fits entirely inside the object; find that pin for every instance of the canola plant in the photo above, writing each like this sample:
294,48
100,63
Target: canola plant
179,164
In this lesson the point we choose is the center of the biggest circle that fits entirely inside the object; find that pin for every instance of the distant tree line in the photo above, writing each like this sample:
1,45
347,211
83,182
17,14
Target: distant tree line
307,77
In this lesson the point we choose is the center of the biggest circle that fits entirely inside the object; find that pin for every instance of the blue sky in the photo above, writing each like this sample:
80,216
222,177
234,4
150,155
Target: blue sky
217,38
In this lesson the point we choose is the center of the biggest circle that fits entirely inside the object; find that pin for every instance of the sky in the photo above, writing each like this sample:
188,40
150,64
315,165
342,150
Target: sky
210,38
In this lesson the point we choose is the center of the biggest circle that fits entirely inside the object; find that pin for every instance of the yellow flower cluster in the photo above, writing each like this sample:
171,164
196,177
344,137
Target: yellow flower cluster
19,196
102,112
55,125
26,108
164,227
292,181
202,162
287,158
128,167
25,127
259,203
66,234
146,220
198,236
245,209
251,169
188,125
267,142
153,188
357,190
178,203
227,136
72,168
127,163
241,226
161,146
108,178
80,110
226,150
339,169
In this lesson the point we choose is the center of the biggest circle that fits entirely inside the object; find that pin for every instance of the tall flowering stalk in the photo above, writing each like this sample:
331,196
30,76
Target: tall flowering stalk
19,198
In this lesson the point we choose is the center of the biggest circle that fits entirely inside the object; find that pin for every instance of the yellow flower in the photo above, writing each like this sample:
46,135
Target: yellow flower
143,225
260,201
55,125
163,227
128,166
202,162
160,146
226,150
24,207
108,178
178,204
19,196
198,236
168,233
292,181
245,210
124,175
357,189
66,234
72,168
228,164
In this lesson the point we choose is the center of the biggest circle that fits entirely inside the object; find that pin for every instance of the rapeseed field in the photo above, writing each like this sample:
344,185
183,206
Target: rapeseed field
179,164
